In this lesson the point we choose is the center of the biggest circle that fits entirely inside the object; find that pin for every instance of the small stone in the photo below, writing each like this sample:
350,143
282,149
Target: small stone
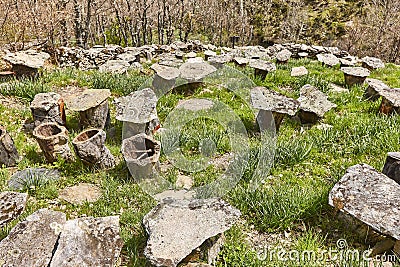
298,71
88,242
32,176
328,59
372,63
177,227
355,75
195,104
196,72
195,60
80,193
12,204
283,56
32,241
183,181
369,196
313,104
374,89
303,54
130,56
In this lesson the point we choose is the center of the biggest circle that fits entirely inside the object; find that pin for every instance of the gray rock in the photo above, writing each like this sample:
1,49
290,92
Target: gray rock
32,176
81,193
370,197
348,61
164,79
241,61
283,56
8,152
390,101
130,56
355,75
26,63
328,59
392,166
374,89
220,60
89,242
208,54
313,104
115,66
372,63
334,88
195,60
177,227
196,72
298,71
191,55
32,241
12,204
262,68
90,98
267,100
48,107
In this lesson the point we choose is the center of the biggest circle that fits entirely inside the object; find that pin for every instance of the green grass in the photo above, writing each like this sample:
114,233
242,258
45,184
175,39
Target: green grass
308,160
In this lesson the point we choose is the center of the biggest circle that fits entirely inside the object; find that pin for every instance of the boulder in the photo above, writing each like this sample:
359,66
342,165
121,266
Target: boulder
32,176
12,204
328,59
177,227
262,68
299,71
354,75
88,242
32,241
370,197
8,152
374,89
267,100
390,101
313,104
26,63
372,63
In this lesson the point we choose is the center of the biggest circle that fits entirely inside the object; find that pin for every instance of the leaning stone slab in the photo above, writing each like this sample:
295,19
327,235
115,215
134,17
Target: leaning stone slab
268,100
313,104
392,166
32,241
372,63
93,109
390,101
328,59
177,227
12,204
117,66
355,75
26,63
8,152
299,71
262,68
196,72
138,112
370,197
32,176
48,107
89,242
374,89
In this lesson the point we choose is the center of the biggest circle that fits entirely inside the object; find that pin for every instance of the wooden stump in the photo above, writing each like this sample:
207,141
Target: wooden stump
90,148
392,166
53,140
48,107
8,153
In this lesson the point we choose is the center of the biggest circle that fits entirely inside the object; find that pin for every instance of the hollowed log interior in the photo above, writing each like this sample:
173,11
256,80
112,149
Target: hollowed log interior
136,149
149,146
48,130
86,135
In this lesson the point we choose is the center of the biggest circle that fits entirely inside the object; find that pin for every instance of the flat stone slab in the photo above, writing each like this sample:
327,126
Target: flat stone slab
392,96
314,101
117,66
262,65
356,71
29,58
377,85
299,71
32,175
328,59
90,98
45,101
195,104
81,193
32,241
266,99
12,204
137,107
241,61
88,242
370,197
177,227
196,72
372,63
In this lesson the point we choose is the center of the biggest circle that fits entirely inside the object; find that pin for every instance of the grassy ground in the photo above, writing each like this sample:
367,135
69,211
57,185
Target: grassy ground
289,211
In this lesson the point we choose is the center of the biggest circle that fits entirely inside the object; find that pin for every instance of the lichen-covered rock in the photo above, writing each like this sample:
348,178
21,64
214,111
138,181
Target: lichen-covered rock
369,196
177,227
262,68
313,104
88,242
354,75
32,241
26,63
48,107
32,176
328,59
195,104
164,79
283,56
8,152
372,63
374,89
12,204
241,61
298,71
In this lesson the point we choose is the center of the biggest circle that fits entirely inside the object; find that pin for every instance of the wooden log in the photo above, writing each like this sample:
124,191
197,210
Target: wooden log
53,140
8,153
392,166
90,147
